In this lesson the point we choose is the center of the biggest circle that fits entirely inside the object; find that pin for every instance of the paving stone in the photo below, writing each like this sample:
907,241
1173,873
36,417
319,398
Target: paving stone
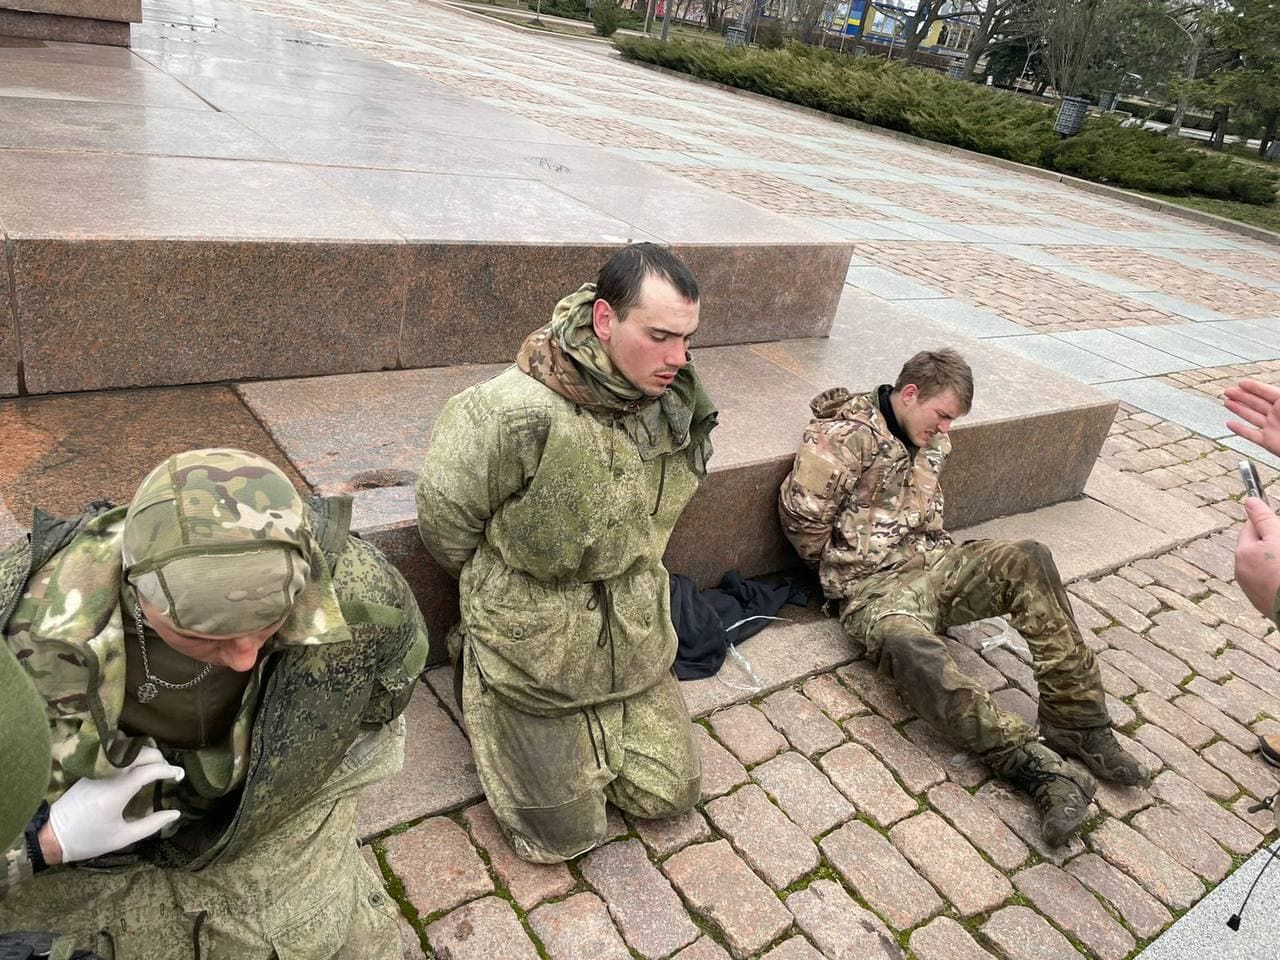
868,783
704,949
1263,703
1190,641
1087,618
1237,707
1252,670
485,929
721,771
1129,594
771,844
1010,665
1178,836
1237,611
1161,875
1114,682
578,928
439,772
1145,915
1013,700
796,948
1121,801
1120,712
944,939
747,733
1169,666
875,690
719,886
804,793
979,824
950,863
1066,902
1204,711
1259,648
437,865
1263,821
1020,933
841,929
1246,769
1180,793
647,911
1021,816
1110,604
1209,558
528,883
801,722
880,875
1135,575
1190,608
909,762
1186,761
1139,672
670,834
410,942
1172,720
972,665
833,697
961,766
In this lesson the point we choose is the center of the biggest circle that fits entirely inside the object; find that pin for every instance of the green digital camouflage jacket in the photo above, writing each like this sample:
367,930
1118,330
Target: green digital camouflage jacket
555,521
60,613
855,502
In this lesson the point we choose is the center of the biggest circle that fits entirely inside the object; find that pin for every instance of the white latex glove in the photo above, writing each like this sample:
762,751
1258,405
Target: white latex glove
88,820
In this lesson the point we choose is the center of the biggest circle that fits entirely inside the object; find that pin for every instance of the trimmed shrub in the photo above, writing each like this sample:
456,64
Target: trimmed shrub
770,35
994,122
606,15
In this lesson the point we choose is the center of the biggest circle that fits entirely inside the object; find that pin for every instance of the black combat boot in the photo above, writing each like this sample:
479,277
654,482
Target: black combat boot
1060,791
1099,750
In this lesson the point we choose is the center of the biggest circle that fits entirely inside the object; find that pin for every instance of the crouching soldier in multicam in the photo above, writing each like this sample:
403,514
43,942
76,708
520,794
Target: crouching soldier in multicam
222,667
863,503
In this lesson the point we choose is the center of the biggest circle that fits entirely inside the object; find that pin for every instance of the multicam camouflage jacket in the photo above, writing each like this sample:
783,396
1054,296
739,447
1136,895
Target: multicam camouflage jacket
555,524
855,503
60,613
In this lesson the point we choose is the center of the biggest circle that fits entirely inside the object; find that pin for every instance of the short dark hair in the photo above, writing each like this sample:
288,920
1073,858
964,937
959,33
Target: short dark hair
624,274
934,371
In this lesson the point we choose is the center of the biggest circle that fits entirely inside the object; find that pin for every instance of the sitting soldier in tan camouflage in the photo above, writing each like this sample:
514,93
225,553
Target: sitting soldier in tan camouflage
863,503
221,667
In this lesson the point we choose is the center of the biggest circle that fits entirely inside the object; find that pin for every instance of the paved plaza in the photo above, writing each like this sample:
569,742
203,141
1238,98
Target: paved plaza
834,823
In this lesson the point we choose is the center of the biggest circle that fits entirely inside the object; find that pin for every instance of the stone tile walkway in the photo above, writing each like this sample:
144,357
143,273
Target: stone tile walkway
834,823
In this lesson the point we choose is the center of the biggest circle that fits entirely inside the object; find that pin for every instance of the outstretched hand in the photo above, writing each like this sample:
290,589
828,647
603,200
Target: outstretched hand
1258,406
1258,556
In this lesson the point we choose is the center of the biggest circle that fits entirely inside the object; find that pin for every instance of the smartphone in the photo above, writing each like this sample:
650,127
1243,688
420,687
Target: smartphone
1252,482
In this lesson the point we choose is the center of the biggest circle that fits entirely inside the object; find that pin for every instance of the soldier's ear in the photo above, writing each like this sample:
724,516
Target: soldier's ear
910,393
603,317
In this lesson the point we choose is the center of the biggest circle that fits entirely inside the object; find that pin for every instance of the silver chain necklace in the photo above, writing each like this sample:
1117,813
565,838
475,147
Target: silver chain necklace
148,689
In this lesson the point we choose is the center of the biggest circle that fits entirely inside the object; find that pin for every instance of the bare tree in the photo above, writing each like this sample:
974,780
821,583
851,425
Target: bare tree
916,26
1069,29
999,21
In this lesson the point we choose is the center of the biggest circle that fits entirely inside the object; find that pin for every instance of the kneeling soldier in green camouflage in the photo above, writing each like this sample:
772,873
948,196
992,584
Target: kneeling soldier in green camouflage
550,491
223,667
863,504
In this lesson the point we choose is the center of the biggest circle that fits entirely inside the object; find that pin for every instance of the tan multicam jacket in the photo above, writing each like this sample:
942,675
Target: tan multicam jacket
855,502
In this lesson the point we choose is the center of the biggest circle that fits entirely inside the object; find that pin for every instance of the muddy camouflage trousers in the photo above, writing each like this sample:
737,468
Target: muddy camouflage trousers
304,893
547,778
900,615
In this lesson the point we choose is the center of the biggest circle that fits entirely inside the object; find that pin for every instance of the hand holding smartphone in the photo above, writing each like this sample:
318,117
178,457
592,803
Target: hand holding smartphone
1252,482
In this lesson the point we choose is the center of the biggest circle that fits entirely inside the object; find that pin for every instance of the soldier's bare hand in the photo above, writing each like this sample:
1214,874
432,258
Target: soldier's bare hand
1258,404
1258,556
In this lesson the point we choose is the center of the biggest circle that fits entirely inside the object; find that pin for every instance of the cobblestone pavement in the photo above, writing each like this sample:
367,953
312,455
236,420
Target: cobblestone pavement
834,823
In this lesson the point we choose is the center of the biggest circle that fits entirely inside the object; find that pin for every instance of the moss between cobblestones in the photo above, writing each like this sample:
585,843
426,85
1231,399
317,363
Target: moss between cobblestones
395,887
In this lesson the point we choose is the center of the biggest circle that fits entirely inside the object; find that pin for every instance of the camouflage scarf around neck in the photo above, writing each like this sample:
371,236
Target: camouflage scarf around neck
568,358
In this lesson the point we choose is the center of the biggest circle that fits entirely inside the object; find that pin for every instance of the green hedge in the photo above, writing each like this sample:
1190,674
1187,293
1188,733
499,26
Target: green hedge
931,106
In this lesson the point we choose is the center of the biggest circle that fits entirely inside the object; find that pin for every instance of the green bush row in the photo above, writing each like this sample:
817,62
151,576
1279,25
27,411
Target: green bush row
931,106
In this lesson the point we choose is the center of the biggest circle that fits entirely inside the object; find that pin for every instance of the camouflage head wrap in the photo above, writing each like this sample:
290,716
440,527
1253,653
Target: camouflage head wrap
217,541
